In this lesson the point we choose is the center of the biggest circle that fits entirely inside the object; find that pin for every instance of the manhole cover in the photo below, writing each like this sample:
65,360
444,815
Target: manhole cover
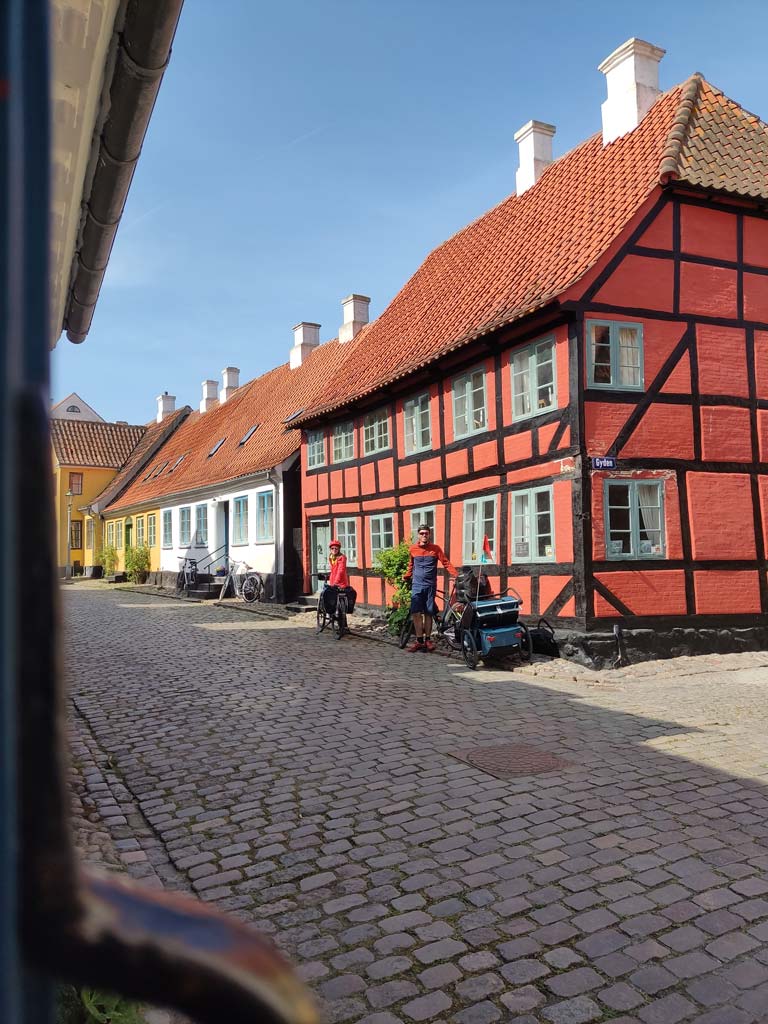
511,760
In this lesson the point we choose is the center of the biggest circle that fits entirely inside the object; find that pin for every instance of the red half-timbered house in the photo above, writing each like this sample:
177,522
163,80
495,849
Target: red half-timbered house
581,375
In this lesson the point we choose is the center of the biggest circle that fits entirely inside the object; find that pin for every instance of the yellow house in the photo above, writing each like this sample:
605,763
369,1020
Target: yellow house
87,455
141,528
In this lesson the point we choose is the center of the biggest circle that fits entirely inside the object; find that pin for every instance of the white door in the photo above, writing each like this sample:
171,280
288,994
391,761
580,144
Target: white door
320,539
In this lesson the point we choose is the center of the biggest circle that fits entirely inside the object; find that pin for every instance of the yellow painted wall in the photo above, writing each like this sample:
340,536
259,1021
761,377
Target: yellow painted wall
94,482
133,520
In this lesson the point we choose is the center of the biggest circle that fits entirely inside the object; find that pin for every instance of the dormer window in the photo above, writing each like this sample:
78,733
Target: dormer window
247,436
216,447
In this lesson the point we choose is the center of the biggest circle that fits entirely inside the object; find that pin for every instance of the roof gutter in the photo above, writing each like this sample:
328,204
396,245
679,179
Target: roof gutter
143,52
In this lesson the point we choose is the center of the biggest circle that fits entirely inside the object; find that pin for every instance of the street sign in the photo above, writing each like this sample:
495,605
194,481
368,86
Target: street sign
604,462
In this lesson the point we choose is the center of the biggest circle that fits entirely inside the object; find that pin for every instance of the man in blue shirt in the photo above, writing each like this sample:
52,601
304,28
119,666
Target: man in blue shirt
422,571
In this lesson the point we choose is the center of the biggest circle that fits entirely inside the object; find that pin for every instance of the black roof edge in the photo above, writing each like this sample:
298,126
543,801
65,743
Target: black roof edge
143,52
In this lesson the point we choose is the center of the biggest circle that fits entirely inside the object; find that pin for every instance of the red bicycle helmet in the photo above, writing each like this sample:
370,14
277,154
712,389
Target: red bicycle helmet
334,543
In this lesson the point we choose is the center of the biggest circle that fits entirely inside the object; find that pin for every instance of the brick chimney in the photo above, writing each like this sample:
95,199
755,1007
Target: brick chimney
632,77
166,404
534,143
306,338
355,316
230,381
210,395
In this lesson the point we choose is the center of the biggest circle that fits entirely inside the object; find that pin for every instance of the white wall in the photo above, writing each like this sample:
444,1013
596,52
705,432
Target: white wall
259,555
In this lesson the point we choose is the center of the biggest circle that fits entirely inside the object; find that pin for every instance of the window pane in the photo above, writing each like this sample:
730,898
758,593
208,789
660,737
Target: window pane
619,520
478,400
543,525
521,525
629,356
460,408
521,384
471,552
545,376
649,518
601,353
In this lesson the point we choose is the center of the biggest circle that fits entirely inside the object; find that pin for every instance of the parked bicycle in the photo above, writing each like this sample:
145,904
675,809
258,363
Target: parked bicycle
186,578
244,582
445,622
332,607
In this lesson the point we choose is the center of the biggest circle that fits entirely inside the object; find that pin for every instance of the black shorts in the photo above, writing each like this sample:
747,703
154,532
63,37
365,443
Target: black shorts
423,601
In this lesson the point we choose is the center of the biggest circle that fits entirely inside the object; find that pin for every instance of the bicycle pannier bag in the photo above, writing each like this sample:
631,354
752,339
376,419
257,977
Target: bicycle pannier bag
330,599
351,598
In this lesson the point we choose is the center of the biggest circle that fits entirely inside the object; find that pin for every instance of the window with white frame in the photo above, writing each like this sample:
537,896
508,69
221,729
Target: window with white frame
185,526
634,518
375,432
240,520
615,355
315,448
533,535
533,379
152,530
469,411
382,534
479,523
344,441
346,534
201,525
418,428
110,534
422,517
140,531
119,533
265,516
89,534
167,528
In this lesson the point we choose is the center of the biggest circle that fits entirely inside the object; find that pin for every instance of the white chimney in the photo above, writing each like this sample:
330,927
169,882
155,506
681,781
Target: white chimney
210,395
230,380
306,338
166,404
355,310
632,76
534,141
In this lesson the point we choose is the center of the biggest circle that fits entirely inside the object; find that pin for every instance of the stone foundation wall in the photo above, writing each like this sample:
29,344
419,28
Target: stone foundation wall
600,650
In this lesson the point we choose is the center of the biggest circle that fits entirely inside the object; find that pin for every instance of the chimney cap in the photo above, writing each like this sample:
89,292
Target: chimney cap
356,295
633,47
306,323
534,127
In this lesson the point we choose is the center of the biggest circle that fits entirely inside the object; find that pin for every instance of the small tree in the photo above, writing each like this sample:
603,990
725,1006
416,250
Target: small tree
137,562
392,563
107,559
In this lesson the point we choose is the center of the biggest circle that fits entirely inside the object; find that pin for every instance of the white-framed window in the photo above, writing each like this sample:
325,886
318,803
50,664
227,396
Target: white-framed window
119,533
376,432
140,531
344,441
615,354
422,517
265,516
346,534
418,427
152,530
479,523
634,518
110,534
315,448
240,520
469,411
533,528
167,528
533,379
185,526
201,525
89,534
382,534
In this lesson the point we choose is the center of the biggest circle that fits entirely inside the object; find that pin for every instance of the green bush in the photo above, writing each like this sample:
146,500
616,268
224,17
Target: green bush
107,558
392,563
137,562
91,1006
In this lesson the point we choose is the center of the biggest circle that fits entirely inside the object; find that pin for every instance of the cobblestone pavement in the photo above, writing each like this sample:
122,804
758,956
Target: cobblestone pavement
311,787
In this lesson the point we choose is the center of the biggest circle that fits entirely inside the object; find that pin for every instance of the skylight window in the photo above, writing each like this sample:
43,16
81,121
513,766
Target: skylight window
160,469
247,436
216,447
149,474
293,415
178,462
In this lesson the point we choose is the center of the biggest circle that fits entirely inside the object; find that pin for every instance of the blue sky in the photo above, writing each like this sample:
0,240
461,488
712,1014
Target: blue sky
300,151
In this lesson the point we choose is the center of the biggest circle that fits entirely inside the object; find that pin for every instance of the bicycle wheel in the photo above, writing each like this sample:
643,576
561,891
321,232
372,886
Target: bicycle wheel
340,619
526,645
406,632
180,580
251,589
469,649
322,615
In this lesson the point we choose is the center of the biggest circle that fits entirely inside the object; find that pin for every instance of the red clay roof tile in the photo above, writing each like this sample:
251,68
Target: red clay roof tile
93,443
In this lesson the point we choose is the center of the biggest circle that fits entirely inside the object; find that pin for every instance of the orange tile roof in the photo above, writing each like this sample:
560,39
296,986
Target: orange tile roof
93,443
529,249
268,400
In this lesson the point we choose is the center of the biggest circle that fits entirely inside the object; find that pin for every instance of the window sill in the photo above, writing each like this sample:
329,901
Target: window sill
264,540
377,451
470,433
635,388
533,415
238,543
634,558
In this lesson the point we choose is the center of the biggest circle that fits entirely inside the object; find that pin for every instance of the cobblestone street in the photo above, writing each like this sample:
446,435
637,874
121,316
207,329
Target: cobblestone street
312,787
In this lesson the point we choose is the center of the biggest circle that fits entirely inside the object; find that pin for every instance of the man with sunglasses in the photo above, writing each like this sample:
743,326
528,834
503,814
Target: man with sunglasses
422,571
